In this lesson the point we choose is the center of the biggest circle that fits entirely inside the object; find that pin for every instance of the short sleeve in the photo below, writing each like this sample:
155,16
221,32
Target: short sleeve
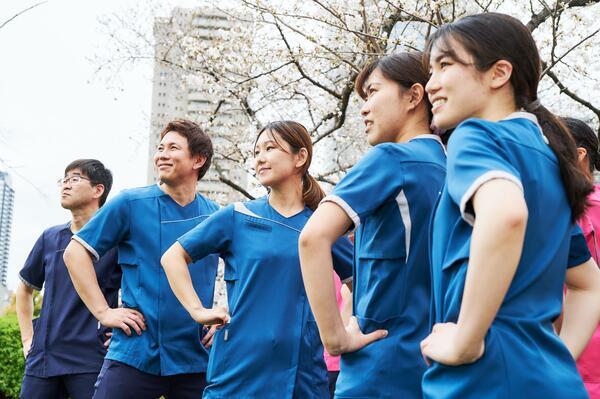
108,227
374,180
342,253
33,272
475,158
213,235
578,249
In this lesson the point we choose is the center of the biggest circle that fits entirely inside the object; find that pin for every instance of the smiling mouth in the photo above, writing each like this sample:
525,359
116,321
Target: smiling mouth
438,103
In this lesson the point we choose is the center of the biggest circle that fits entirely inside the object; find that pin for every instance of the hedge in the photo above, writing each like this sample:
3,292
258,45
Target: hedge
12,363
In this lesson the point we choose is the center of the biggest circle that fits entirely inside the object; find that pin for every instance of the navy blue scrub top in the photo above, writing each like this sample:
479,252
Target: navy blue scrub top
271,348
390,195
143,223
67,338
524,358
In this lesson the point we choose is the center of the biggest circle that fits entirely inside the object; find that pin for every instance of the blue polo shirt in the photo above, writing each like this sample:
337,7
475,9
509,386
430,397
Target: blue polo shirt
67,338
143,223
523,358
271,348
390,195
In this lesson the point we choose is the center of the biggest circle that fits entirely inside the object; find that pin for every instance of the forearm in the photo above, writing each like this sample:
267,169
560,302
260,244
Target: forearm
581,309
83,275
317,272
24,309
346,293
496,246
176,268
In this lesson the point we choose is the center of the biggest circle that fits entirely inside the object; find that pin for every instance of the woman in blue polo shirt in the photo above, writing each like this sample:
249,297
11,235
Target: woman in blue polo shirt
388,197
270,346
501,231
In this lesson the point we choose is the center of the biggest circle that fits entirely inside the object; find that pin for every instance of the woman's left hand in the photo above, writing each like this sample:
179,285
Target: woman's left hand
443,346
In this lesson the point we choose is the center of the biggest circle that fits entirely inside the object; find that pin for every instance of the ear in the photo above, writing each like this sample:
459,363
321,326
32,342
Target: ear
415,95
199,161
581,154
302,157
98,190
500,74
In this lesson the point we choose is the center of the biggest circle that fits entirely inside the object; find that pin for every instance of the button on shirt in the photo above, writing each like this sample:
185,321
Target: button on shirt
67,338
143,223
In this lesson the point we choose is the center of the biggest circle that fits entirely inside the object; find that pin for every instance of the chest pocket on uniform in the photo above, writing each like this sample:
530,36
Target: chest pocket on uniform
257,224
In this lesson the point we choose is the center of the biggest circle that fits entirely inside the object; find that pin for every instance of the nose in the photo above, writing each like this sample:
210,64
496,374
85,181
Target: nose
432,85
364,110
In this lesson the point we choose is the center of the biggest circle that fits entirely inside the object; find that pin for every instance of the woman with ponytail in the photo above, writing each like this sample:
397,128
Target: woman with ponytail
586,141
501,230
387,198
268,346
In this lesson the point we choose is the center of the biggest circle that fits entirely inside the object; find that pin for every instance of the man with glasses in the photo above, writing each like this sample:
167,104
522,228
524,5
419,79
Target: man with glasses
163,354
65,346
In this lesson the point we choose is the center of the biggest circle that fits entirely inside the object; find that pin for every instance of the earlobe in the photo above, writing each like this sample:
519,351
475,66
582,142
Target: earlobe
416,94
99,190
200,161
302,157
581,153
501,73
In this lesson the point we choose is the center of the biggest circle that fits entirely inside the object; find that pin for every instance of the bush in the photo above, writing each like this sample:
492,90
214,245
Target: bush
12,364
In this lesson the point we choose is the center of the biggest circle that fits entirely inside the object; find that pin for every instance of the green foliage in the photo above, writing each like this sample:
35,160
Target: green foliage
12,363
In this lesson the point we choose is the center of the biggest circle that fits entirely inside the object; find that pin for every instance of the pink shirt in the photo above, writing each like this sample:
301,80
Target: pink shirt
589,361
333,362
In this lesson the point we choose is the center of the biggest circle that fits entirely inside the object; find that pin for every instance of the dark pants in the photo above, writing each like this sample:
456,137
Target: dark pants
332,376
120,381
74,386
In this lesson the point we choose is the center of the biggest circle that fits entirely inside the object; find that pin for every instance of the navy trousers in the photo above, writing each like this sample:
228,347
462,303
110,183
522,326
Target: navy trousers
120,381
74,386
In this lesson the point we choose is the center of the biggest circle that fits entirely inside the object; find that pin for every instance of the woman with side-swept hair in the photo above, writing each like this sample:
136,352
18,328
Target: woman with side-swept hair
387,198
269,347
501,231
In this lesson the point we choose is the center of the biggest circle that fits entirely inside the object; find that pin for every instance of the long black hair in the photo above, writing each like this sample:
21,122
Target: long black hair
491,37
586,138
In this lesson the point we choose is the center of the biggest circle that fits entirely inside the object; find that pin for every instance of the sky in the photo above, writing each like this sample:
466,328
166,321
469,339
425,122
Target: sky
54,108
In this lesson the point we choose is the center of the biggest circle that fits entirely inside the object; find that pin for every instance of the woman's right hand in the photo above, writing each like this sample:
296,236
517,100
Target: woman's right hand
356,340
217,316
26,346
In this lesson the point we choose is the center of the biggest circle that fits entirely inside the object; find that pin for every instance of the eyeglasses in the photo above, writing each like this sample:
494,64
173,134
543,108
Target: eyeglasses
71,180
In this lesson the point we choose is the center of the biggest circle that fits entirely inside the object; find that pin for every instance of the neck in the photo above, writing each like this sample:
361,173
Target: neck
79,217
183,193
498,107
414,126
286,198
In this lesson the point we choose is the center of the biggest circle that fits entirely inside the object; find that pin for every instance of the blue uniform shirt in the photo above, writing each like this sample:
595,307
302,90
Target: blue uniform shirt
523,358
271,348
67,338
144,223
390,195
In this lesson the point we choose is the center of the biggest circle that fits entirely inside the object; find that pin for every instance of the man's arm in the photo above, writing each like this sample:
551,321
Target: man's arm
82,272
25,315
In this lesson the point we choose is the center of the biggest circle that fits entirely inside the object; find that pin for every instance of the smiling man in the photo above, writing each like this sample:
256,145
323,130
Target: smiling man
64,355
155,349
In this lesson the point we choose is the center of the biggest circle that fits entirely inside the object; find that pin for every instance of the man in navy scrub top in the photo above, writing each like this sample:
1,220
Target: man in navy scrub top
64,347
156,348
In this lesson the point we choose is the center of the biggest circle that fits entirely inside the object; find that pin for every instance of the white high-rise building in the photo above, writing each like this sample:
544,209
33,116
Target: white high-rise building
173,97
7,199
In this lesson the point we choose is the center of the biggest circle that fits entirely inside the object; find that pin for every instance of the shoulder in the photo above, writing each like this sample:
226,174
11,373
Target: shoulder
56,229
207,205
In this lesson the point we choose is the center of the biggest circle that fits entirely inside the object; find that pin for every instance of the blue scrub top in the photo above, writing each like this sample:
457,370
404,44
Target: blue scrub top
67,338
390,195
271,348
144,223
523,358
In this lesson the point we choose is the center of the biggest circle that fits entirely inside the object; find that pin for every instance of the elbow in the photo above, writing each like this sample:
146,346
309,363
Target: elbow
515,218
305,241
333,347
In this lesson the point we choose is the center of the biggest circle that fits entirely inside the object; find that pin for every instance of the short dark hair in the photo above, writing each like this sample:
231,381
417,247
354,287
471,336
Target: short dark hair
199,142
96,172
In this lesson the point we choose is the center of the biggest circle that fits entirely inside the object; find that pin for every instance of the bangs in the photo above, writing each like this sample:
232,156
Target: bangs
443,39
